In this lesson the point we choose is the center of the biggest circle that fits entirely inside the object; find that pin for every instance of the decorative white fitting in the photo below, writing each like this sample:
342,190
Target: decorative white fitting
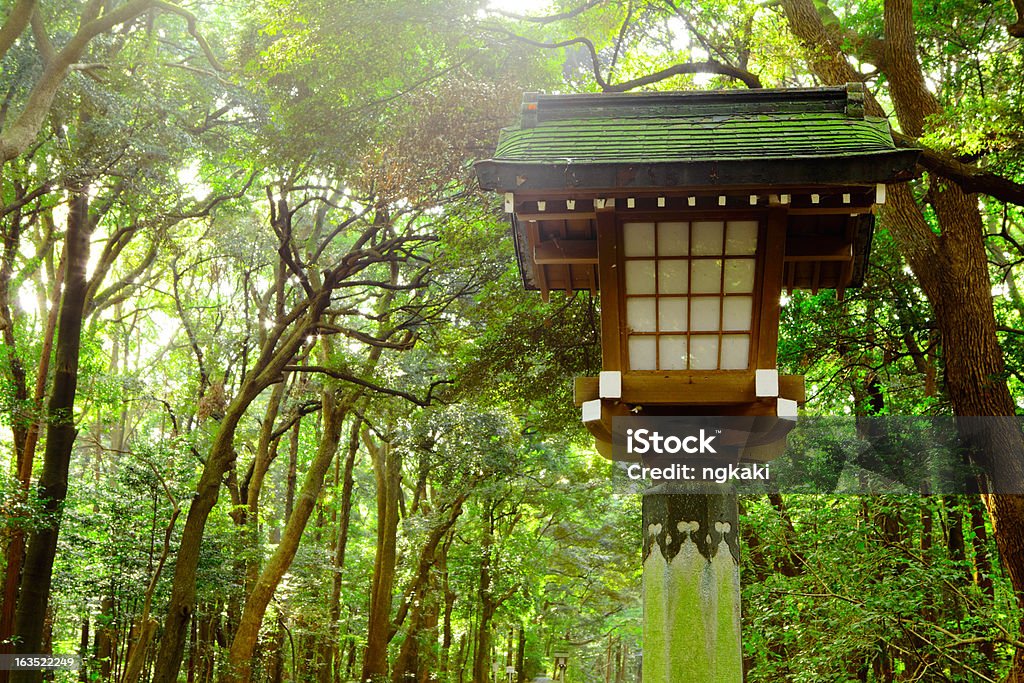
815,199
846,198
784,199
541,206
766,383
661,202
721,200
630,203
610,384
592,410
753,200
880,193
510,202
599,203
570,204
691,201
786,409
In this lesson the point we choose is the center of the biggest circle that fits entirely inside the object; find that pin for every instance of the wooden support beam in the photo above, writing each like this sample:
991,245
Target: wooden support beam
582,252
552,216
612,324
819,249
831,210
776,241
540,276
690,389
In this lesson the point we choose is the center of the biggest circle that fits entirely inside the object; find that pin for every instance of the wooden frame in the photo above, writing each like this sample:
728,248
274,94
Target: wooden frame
765,294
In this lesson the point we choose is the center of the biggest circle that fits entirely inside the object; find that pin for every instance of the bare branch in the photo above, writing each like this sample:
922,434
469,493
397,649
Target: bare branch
358,381
551,18
709,66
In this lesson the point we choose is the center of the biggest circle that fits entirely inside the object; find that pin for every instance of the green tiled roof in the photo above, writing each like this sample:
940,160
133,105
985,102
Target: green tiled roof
695,138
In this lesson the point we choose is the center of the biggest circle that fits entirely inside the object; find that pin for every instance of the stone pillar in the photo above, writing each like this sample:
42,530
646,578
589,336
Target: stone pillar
691,585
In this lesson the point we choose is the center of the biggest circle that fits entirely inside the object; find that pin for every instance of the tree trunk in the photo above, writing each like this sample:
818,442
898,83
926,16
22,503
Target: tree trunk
481,658
449,607
293,477
342,543
105,638
951,267
521,656
83,650
423,610
60,438
278,350
239,669
387,467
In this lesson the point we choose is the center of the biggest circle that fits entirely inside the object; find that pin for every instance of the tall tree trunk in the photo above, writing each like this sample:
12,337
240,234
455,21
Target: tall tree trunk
105,638
521,656
278,350
342,543
449,608
481,658
423,607
239,669
293,477
387,467
60,438
951,267
83,650
955,543
16,547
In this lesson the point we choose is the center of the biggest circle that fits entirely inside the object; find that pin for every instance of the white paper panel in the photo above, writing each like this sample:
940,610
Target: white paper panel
640,314
737,312
673,352
706,238
639,277
706,276
741,238
703,352
672,276
672,314
638,239
642,353
739,275
735,352
704,312
673,239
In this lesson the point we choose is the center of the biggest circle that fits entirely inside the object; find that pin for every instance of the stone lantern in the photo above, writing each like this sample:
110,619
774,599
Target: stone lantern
690,214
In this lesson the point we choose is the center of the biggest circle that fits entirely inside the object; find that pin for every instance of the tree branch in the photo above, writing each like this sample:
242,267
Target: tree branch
191,21
1016,29
969,178
551,18
25,128
43,43
346,377
15,23
709,66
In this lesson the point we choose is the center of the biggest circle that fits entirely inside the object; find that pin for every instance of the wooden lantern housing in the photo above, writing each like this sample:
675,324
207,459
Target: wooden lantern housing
691,213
